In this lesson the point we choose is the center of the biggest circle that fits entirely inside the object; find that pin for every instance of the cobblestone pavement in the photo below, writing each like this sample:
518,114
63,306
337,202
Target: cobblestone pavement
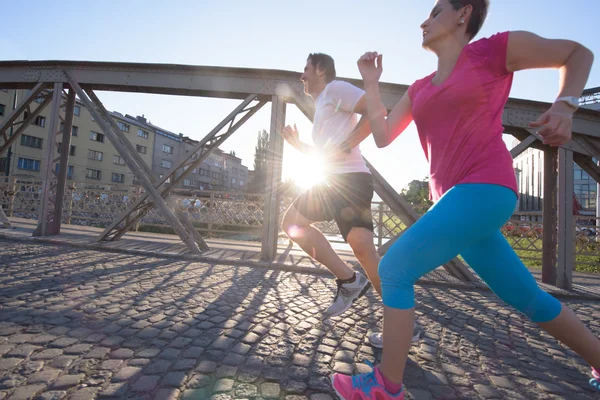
82,324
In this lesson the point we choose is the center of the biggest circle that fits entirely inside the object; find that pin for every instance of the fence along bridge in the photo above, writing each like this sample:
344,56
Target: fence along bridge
47,80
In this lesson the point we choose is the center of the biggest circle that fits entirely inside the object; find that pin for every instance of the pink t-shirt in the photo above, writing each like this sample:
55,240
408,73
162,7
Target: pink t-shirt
460,121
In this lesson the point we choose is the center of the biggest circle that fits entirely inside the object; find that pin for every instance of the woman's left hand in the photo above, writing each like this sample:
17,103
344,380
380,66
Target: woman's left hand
556,124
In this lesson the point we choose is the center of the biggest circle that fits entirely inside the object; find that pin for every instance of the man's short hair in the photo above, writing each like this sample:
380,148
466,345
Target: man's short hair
323,62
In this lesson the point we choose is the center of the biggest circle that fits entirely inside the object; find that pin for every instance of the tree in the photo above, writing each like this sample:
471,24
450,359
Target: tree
258,184
417,194
290,188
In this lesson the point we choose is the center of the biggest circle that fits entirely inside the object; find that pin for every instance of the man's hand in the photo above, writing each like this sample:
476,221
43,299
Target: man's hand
291,135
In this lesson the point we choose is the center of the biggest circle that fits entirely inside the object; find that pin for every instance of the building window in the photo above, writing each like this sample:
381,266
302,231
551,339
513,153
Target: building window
77,111
141,149
71,149
241,183
74,129
167,149
28,164
70,170
98,137
95,155
118,177
118,160
31,141
92,173
40,121
2,108
233,180
203,172
166,164
123,126
214,174
195,171
142,133
189,182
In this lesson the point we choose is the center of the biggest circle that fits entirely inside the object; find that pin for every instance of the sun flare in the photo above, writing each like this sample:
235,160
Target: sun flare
309,172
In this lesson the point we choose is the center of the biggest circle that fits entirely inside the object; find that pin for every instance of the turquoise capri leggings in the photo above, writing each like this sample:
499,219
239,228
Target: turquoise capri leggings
466,220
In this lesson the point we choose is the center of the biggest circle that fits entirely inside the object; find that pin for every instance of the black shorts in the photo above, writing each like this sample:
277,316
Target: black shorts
345,198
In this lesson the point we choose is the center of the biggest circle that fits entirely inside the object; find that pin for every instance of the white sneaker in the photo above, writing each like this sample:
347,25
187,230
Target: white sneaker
347,293
376,338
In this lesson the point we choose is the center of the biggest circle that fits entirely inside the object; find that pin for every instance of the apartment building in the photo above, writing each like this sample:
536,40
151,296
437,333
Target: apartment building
236,174
94,160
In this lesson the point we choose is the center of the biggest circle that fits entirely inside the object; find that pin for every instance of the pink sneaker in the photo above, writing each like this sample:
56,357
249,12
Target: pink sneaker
367,386
595,380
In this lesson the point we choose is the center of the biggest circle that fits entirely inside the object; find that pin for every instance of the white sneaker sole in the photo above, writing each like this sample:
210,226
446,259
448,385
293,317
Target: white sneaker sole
414,339
360,294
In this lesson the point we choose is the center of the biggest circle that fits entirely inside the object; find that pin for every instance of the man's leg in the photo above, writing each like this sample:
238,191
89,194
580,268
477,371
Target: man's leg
361,241
312,241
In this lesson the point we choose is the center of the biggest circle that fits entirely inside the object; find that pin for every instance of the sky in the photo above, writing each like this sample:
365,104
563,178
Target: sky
275,35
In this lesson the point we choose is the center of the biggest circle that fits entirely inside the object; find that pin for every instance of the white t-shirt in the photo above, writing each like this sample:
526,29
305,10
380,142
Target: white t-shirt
333,122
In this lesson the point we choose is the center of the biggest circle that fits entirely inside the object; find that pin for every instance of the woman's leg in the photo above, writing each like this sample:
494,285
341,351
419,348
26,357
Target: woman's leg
498,265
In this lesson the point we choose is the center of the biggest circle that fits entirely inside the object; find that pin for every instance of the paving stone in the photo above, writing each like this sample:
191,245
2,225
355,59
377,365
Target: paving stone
193,352
173,379
97,352
85,393
148,353
127,374
122,354
502,382
53,395
246,390
77,349
550,388
198,381
145,383
320,396
62,362
184,365
115,390
167,394
418,394
206,367
138,362
158,367
486,391
23,351
47,354
8,363
194,394
67,381
26,392
46,376
270,390
223,385
180,343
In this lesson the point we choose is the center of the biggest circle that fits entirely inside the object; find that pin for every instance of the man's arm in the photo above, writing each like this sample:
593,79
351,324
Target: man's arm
292,136
362,129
